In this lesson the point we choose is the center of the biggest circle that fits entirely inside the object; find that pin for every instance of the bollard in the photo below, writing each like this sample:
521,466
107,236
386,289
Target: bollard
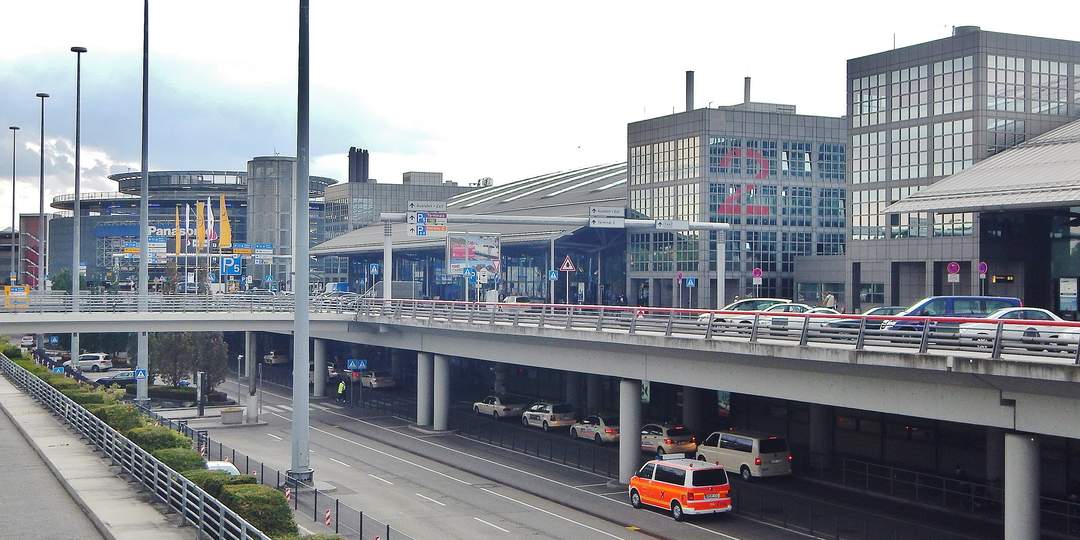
337,514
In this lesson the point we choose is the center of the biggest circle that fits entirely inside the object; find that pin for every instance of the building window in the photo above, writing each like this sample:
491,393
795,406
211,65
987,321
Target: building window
760,158
872,293
953,147
667,202
829,244
686,251
1003,133
795,159
868,157
725,203
663,255
664,161
725,155
1004,83
798,206
1076,88
762,199
794,244
953,85
1049,87
868,220
868,101
732,251
640,249
760,251
831,161
909,225
954,224
831,207
908,97
910,155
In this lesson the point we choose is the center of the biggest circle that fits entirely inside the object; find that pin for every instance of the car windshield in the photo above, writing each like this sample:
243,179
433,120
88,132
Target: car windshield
772,446
677,431
709,477
562,408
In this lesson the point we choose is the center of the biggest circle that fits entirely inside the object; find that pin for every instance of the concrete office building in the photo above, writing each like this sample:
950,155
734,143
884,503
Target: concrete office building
918,114
776,176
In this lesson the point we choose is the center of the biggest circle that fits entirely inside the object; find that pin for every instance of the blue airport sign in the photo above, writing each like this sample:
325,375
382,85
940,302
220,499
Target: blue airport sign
231,266
140,374
469,272
553,275
373,269
691,282
58,370
356,364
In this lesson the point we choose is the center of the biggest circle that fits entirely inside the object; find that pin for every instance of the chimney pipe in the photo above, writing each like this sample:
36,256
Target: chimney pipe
689,91
746,90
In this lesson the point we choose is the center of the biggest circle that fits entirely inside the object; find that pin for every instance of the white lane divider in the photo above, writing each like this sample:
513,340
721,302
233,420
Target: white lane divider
339,462
383,480
492,525
426,498
274,436
552,514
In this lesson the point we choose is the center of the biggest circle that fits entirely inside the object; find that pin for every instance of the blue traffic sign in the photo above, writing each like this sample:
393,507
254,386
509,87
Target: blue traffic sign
421,218
421,230
53,340
468,272
231,266
140,374
691,282
373,269
553,275
356,364
58,370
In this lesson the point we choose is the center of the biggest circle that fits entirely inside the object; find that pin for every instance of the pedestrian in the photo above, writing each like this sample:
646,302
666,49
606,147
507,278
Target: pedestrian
341,391
830,300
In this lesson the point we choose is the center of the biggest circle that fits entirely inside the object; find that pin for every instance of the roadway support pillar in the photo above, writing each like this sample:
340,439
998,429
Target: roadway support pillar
441,393
995,455
424,381
395,364
821,436
1022,491
318,379
251,359
691,407
592,393
573,390
74,348
500,378
629,428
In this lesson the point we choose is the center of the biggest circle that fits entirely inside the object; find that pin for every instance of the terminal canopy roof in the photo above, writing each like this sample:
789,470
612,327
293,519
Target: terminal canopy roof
1042,172
559,194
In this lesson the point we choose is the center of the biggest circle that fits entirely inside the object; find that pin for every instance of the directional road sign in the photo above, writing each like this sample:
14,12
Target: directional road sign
607,223
606,212
356,364
421,206
140,374
672,224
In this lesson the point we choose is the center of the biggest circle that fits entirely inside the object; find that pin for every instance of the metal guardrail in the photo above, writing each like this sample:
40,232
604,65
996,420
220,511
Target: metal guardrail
212,518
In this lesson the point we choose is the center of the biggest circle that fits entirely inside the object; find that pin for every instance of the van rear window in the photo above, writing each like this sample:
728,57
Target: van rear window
563,409
709,477
772,446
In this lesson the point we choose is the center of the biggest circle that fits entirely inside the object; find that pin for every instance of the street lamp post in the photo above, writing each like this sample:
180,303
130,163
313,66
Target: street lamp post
76,259
13,276
143,344
42,250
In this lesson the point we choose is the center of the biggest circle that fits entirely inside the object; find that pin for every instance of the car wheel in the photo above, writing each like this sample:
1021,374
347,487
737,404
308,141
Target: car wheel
95,369
599,440
476,410
524,421
744,472
635,499
495,415
573,433
544,426
676,511
659,452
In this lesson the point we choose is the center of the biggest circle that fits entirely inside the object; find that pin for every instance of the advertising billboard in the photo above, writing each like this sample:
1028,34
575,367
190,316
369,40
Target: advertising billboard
476,251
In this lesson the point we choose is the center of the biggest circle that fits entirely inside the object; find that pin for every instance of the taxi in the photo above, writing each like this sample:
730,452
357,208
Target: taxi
681,486
599,428
548,415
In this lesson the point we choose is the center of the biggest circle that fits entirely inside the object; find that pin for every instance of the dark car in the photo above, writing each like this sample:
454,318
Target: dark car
871,321
972,307
121,378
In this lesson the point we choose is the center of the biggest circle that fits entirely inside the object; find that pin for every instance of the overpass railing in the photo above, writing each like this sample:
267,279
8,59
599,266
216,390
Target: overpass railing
212,518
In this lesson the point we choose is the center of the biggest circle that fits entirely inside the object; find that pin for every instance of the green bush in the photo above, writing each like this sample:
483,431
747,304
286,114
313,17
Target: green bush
122,417
173,393
263,506
213,481
152,438
60,382
13,352
319,536
180,459
84,397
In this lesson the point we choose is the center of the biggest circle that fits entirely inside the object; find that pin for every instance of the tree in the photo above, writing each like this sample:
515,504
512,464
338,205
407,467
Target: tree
61,281
170,356
210,354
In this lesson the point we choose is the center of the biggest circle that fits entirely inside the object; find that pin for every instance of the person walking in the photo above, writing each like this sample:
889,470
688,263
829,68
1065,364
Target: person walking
830,300
341,391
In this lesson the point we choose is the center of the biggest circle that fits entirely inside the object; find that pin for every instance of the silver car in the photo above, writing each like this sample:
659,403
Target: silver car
498,407
663,439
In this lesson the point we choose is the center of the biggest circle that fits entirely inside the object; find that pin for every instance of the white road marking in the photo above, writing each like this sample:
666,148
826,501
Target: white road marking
492,525
331,405
271,408
553,514
274,436
339,462
383,480
590,485
286,407
425,497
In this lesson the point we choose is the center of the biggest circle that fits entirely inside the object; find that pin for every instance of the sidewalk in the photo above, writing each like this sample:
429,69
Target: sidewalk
114,507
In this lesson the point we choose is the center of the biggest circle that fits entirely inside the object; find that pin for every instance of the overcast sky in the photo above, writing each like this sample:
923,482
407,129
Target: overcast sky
502,89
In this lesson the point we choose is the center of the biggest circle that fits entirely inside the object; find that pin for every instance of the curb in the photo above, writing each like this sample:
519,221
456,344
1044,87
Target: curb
98,524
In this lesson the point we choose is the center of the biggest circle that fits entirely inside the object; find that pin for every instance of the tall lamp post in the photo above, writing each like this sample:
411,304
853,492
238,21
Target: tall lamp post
41,200
13,276
76,259
142,349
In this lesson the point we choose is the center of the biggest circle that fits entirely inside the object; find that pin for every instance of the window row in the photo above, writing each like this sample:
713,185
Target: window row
751,204
904,153
664,161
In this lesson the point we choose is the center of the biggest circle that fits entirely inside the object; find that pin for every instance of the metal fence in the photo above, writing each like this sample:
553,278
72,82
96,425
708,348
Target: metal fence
212,518
327,512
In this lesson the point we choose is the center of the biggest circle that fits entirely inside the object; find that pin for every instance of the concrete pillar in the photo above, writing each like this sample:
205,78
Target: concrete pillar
500,378
573,389
441,392
995,455
928,281
424,381
629,428
251,361
821,436
395,363
691,407
1022,491
593,397
318,380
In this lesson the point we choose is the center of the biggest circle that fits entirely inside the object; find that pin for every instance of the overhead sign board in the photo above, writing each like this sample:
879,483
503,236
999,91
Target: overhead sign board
422,223
606,212
607,222
264,249
231,266
356,364
474,251
672,224
422,206
242,248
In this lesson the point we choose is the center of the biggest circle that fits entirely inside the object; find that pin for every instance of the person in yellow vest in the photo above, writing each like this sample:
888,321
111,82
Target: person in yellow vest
341,391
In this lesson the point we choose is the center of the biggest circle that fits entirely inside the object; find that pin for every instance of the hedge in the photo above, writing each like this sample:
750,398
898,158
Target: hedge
262,506
13,352
174,393
213,481
318,536
155,437
122,417
84,397
180,459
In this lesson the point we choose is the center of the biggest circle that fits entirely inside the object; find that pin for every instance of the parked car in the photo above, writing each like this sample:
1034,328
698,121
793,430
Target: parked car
752,454
871,320
274,357
599,428
1035,336
744,305
223,466
373,379
498,407
950,306
121,378
681,486
91,362
663,439
27,341
548,415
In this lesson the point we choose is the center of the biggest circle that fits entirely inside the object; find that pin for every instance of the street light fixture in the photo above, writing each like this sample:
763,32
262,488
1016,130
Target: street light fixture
42,250
13,276
76,259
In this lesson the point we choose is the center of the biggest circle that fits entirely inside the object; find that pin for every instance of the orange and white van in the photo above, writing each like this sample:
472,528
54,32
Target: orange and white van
681,486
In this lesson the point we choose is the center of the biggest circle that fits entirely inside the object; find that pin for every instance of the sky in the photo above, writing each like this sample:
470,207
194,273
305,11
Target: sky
473,89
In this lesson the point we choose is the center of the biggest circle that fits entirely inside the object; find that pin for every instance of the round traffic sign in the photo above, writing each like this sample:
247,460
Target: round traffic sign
756,272
953,267
678,275
983,267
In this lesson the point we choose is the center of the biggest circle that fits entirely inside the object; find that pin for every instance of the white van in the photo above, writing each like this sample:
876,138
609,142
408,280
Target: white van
752,454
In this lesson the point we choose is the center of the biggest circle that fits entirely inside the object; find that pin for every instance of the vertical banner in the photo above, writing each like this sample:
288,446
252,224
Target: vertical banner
200,225
226,227
176,227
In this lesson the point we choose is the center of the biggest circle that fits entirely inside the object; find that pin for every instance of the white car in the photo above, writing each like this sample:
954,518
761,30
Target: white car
27,341
667,439
1018,333
273,357
223,466
744,305
498,407
372,379
548,415
598,428
91,362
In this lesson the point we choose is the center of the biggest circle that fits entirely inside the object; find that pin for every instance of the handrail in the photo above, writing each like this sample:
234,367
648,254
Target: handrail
167,485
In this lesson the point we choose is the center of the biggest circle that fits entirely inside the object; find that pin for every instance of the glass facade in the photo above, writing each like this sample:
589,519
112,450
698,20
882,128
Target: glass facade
869,157
1005,83
954,83
954,147
1003,133
1049,87
868,100
909,94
